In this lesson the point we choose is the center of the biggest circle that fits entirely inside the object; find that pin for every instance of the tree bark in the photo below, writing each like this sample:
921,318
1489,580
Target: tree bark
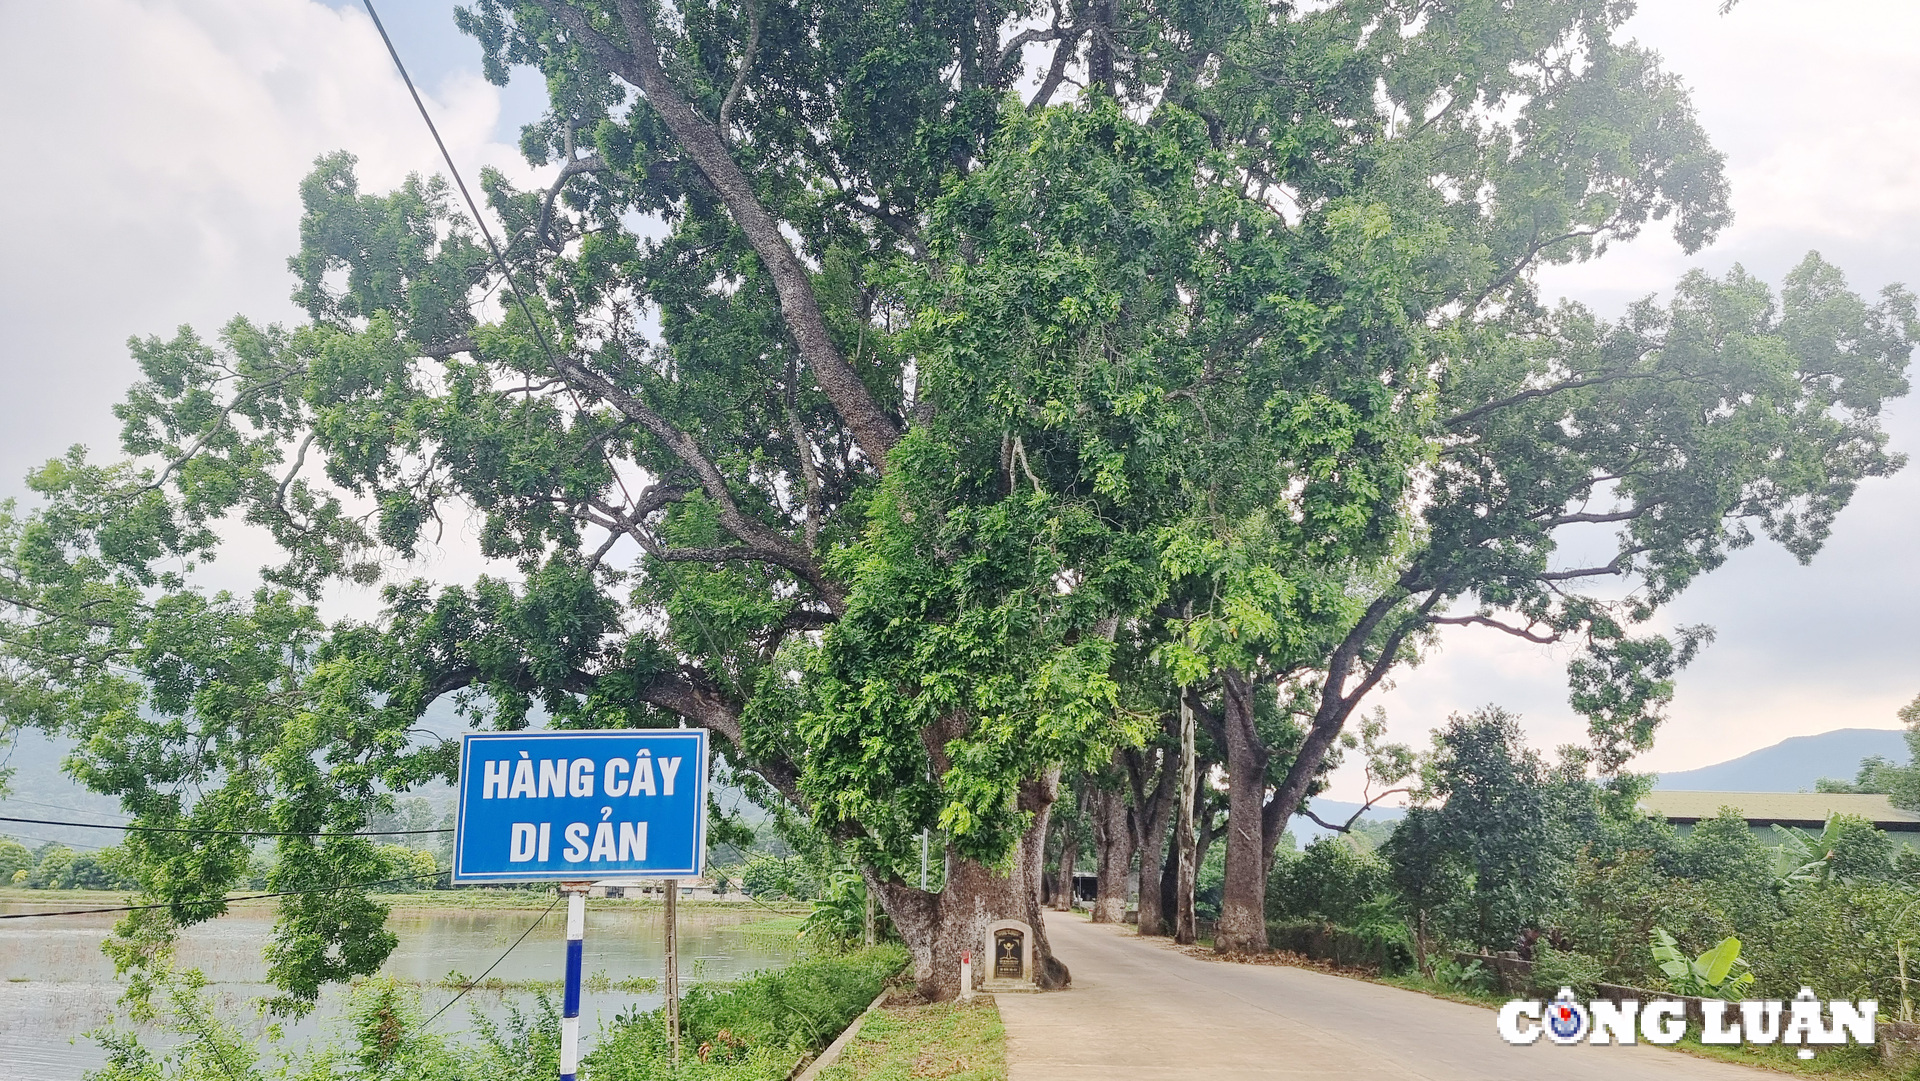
1243,921
939,927
1069,855
1186,849
639,64
1113,842
1151,775
1170,901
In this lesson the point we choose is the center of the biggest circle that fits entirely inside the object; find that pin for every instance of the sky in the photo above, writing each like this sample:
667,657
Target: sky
157,146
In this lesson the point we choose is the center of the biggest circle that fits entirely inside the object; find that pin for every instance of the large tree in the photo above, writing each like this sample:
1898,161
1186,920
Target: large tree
866,398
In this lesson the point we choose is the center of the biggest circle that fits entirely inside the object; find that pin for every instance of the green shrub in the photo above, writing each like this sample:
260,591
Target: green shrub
1720,972
749,1031
1329,881
839,916
14,856
766,1020
1554,969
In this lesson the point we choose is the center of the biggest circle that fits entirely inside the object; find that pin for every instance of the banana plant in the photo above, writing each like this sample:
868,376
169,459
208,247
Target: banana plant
1718,973
1804,857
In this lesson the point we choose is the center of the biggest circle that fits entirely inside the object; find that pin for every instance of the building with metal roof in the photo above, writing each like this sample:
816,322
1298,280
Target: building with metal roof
1802,810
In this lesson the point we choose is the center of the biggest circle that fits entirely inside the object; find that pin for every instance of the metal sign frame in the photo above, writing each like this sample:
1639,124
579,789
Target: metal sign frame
593,811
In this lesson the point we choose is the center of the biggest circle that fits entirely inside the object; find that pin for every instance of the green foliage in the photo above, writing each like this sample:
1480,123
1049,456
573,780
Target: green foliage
916,439
1494,856
1720,972
776,877
1469,976
839,916
14,856
1331,880
1848,847
54,866
755,1028
1554,969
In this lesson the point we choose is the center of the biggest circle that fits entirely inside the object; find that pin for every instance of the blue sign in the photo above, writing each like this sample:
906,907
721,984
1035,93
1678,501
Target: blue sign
577,806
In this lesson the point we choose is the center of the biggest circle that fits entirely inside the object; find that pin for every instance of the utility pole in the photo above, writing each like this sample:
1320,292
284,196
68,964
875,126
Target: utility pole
1185,931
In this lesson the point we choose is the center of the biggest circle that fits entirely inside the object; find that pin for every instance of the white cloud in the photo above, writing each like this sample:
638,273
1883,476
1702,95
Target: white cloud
1817,107
158,147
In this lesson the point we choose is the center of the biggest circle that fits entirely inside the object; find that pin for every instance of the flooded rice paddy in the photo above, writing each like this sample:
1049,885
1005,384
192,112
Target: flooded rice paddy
56,985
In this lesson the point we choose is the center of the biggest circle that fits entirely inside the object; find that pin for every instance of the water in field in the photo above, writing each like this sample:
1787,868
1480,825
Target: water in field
55,984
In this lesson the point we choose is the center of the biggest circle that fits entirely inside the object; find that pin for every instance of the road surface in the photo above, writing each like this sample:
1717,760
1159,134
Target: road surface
1140,1011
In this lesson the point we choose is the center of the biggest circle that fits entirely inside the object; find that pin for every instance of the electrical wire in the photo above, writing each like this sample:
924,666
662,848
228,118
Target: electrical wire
4,800
220,900
51,841
221,832
472,206
478,980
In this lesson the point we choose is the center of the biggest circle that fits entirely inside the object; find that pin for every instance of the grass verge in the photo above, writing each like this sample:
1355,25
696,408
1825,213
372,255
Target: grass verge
949,1041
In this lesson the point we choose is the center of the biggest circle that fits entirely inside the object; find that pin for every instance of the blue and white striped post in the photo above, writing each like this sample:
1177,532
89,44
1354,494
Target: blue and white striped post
570,1013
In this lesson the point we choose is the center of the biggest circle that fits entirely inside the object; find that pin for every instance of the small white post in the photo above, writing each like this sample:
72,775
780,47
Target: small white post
570,1008
966,975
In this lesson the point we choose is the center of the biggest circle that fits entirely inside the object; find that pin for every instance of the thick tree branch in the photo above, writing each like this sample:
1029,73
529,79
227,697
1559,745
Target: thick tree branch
1056,74
767,545
1348,826
591,163
1618,566
746,65
639,64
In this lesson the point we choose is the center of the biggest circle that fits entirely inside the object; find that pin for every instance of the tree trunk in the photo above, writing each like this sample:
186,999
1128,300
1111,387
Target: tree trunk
1243,919
1152,774
1187,849
939,927
1069,854
1113,841
1170,901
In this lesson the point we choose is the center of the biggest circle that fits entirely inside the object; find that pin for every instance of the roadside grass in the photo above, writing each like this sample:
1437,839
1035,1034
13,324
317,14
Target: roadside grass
947,1041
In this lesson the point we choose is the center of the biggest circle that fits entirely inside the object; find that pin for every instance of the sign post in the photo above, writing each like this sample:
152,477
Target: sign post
572,806
570,1008
673,966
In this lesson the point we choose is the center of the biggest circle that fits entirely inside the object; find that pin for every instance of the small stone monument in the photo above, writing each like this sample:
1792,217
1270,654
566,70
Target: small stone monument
1009,950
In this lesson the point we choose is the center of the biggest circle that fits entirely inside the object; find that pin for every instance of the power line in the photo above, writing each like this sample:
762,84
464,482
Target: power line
51,841
478,980
221,832
472,206
220,900
4,800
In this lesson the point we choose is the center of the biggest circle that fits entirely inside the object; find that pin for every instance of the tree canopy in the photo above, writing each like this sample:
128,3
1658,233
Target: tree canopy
861,394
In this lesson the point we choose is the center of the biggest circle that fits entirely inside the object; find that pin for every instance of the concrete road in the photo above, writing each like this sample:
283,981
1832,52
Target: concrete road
1139,1011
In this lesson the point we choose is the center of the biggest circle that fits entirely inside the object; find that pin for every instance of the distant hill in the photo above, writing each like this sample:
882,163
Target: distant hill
1305,830
1793,765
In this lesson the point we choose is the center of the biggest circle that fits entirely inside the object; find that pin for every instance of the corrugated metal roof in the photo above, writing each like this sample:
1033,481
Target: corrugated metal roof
1792,808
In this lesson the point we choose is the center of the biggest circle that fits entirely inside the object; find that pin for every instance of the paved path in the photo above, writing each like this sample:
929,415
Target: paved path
1139,1011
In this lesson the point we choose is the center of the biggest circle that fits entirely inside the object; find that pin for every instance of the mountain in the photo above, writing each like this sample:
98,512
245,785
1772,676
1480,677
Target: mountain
1793,765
